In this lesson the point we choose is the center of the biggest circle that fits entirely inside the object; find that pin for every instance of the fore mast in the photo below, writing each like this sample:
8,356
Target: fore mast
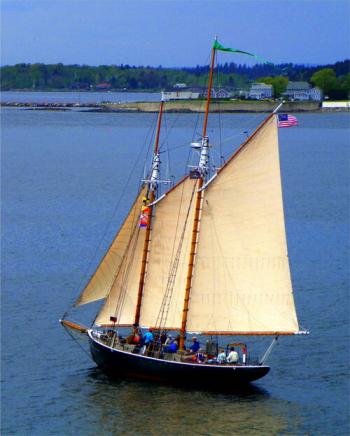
200,173
147,210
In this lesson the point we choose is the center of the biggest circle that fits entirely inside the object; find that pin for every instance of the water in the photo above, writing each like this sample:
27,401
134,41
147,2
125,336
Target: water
62,175
81,97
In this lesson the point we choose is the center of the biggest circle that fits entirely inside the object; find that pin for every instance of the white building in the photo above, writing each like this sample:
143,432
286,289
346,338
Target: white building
180,85
179,94
302,91
260,91
336,105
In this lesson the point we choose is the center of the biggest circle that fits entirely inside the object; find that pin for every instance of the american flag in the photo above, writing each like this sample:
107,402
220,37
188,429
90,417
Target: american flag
285,120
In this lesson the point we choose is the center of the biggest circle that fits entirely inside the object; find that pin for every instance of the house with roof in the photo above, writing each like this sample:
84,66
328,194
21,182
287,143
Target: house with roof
260,91
315,94
104,86
302,91
221,93
180,85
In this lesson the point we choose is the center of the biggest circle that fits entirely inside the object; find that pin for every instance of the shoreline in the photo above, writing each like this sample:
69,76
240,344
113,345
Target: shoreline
177,106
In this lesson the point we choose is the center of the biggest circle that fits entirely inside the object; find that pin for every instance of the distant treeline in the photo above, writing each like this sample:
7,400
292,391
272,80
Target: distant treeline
126,77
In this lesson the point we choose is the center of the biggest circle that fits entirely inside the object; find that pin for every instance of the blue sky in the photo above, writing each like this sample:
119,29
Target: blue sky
173,32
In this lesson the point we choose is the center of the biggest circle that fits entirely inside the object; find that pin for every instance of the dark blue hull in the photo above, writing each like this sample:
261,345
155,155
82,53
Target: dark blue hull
121,363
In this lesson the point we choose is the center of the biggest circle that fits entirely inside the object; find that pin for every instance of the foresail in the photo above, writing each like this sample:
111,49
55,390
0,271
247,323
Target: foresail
168,258
122,298
102,279
241,280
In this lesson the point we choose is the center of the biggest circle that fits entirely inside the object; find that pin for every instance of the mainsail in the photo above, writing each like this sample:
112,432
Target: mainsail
102,279
241,281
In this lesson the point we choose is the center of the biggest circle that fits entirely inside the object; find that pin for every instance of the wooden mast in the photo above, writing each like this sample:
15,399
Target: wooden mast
195,228
150,197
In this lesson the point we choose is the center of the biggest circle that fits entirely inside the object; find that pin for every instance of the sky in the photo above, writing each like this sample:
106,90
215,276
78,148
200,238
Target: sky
173,33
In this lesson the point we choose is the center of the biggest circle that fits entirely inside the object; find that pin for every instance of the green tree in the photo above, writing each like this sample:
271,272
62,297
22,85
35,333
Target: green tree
344,83
279,84
325,79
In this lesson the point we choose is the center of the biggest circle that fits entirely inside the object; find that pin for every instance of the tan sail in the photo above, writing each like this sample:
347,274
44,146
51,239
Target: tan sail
172,226
122,298
241,279
102,279
168,224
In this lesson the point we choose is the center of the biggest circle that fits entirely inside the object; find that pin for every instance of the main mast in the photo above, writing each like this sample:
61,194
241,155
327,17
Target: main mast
151,195
201,171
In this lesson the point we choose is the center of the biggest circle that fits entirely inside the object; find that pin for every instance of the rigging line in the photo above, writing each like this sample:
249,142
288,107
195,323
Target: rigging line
215,157
119,271
149,139
125,276
122,295
164,140
185,144
165,145
114,212
135,217
164,310
197,132
150,144
219,112
165,306
244,125
178,215
176,230
76,340
168,130
168,169
250,125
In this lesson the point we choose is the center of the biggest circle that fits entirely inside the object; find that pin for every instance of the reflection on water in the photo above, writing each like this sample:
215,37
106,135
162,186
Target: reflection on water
132,407
243,390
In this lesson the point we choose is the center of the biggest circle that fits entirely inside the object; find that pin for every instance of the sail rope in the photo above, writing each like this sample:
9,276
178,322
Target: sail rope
218,79
69,333
165,305
125,278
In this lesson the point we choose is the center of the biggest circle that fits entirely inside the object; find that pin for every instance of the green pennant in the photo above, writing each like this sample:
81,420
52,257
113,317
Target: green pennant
220,47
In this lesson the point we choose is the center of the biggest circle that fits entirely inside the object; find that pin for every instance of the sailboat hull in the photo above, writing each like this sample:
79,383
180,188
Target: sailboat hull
121,363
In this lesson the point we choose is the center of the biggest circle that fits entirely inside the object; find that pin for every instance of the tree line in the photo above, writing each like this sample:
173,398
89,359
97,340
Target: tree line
334,79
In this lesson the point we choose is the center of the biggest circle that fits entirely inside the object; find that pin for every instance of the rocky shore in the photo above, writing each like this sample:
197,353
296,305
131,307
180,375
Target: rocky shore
177,106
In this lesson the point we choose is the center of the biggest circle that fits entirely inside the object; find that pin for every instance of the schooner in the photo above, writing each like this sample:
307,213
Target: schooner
207,258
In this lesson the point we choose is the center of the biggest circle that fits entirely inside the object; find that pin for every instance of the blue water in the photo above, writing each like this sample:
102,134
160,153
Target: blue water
81,97
62,176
